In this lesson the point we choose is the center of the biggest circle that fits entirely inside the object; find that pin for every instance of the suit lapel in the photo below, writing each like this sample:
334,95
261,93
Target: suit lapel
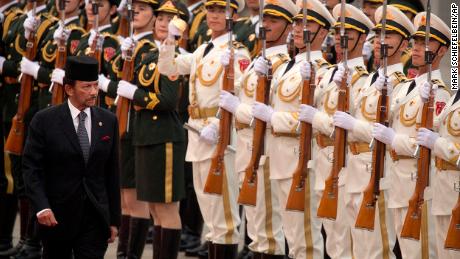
96,124
68,127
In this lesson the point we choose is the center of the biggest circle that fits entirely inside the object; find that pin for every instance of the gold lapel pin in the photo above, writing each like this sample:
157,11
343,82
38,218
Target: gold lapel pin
100,124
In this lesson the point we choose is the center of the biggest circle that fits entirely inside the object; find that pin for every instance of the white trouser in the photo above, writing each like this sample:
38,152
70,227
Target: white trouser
338,241
368,244
441,225
300,244
264,219
220,212
412,249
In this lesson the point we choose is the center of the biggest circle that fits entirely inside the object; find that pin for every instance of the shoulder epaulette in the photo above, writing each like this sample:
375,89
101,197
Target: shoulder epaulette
332,66
142,43
11,15
14,10
44,26
440,83
109,35
399,77
50,16
76,27
360,72
238,45
322,62
279,59
242,19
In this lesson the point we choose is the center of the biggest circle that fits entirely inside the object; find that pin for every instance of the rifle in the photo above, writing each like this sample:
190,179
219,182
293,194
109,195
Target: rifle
15,141
123,104
248,192
328,204
214,181
296,198
366,214
95,47
58,89
453,234
413,220
125,23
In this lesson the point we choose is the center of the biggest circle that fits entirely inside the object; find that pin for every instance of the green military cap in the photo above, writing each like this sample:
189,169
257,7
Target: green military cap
82,68
438,29
354,19
153,3
238,5
412,6
317,12
281,8
397,21
174,7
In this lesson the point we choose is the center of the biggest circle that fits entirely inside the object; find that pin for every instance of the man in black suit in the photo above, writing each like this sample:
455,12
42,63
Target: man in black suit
70,167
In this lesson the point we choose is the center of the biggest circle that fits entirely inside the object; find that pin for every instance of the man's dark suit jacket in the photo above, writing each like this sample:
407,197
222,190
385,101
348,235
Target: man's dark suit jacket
54,169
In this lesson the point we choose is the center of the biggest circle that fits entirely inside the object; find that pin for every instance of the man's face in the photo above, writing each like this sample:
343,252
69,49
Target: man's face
143,15
369,10
104,10
418,51
215,17
297,32
353,36
393,40
83,94
70,5
274,26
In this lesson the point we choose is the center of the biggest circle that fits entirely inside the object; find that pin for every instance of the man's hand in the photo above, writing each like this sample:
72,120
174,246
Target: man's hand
46,217
113,234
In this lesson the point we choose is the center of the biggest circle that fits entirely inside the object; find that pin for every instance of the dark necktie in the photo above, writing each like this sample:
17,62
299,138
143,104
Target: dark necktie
411,87
208,49
83,136
374,77
333,73
457,97
289,66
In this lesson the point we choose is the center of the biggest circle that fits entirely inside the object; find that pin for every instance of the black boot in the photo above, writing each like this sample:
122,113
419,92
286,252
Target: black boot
225,251
202,249
188,239
156,241
211,251
138,229
32,248
8,213
123,235
170,240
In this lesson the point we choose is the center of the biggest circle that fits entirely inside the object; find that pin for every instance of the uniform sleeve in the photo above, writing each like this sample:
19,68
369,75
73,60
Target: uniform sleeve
243,113
164,101
323,123
285,122
170,65
10,68
404,145
447,149
44,75
363,130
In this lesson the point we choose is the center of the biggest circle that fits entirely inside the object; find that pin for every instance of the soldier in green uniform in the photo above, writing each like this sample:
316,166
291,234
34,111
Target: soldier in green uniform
245,28
8,195
198,11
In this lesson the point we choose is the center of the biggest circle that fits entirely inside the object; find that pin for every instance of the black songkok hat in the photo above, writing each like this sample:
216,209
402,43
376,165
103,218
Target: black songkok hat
82,68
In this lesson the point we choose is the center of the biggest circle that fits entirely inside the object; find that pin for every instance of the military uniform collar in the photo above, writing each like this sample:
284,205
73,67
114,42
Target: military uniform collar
356,62
393,68
38,9
254,19
222,39
71,19
141,35
194,6
157,42
8,5
435,74
276,50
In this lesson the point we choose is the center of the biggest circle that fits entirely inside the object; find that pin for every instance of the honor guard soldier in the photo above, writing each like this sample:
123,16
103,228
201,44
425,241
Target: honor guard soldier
197,24
369,8
406,112
357,26
264,221
9,12
245,28
380,241
410,8
220,213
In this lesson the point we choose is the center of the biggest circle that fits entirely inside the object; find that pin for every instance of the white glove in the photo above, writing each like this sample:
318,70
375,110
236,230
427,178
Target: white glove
209,134
58,76
367,50
426,137
261,66
61,34
305,70
121,6
228,101
2,60
2,18
29,68
383,134
103,83
173,31
425,89
339,75
225,58
126,89
29,25
92,36
343,120
128,44
307,113
262,111
380,83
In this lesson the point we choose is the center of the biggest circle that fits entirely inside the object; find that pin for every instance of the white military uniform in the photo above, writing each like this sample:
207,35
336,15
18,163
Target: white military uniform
264,219
304,242
446,150
406,110
338,243
220,213
359,169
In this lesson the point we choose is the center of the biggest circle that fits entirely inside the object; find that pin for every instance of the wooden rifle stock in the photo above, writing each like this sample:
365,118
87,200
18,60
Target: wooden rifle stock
328,204
58,89
123,29
214,181
453,234
296,198
413,220
366,214
248,192
123,104
15,141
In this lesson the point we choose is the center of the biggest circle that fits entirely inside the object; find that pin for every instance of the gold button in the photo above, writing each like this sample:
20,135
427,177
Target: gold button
8,57
155,117
11,45
146,99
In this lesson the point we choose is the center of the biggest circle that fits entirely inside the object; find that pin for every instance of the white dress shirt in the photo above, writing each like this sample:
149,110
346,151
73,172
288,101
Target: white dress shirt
74,112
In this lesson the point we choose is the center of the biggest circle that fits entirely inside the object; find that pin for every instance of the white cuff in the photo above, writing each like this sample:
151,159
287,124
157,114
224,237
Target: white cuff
42,211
